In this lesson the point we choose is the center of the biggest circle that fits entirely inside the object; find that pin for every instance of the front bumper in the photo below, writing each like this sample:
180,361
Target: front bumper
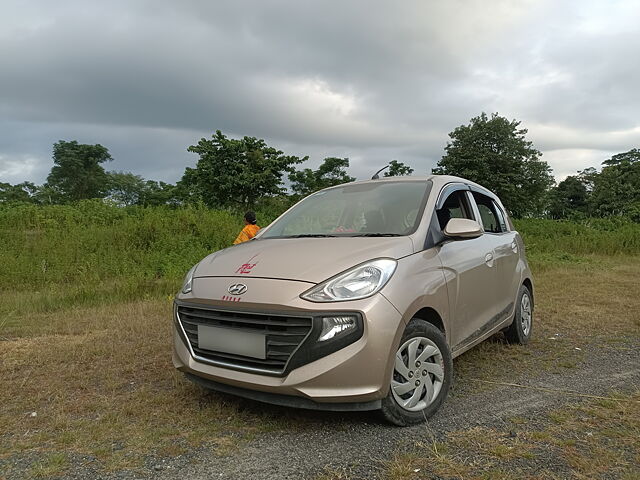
356,374
284,400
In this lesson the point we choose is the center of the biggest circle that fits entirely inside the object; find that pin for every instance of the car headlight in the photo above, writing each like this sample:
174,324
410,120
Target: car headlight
187,285
358,282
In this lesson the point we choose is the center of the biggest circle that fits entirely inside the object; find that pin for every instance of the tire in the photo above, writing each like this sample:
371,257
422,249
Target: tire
408,401
520,329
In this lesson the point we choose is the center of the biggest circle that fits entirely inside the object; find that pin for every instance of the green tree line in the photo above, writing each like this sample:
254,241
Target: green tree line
239,173
614,190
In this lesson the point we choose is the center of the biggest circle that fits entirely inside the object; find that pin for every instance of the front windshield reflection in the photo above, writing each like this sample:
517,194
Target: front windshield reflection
369,209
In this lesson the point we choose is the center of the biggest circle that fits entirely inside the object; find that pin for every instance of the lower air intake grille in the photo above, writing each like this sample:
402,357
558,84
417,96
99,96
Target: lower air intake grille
283,336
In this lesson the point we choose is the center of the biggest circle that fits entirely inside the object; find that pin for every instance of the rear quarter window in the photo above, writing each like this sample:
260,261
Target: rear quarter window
491,216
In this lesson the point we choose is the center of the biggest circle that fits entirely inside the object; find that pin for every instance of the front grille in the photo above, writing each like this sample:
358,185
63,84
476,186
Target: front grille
283,335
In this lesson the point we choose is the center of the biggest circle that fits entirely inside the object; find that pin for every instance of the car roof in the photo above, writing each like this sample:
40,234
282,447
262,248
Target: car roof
439,181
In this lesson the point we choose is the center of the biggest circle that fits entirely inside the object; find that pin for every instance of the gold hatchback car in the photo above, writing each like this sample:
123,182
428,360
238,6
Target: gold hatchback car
357,298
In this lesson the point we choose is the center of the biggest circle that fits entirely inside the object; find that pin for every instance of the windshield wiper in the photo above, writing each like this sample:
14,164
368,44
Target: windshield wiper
311,235
328,235
377,235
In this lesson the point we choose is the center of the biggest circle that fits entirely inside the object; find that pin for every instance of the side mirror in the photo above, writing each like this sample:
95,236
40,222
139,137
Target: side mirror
463,228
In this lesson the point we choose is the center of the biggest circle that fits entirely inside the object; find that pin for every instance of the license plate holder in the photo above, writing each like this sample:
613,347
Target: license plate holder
236,342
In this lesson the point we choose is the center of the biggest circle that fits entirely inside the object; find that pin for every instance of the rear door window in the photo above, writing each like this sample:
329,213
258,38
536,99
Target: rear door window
492,220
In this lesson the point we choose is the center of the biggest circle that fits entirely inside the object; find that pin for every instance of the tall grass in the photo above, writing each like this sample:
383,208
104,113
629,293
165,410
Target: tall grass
551,241
92,242
92,252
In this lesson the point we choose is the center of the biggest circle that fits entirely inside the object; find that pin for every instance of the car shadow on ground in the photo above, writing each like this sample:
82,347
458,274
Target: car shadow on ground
295,417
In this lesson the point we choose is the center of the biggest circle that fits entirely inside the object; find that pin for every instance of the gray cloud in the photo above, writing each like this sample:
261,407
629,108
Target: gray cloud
368,80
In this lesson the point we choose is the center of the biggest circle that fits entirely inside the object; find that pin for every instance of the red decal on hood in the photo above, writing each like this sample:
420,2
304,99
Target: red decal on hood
245,268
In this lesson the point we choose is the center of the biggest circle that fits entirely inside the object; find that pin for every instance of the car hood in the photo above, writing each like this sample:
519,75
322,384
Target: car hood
305,259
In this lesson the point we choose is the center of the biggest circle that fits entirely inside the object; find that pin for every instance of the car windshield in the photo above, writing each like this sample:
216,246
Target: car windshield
356,210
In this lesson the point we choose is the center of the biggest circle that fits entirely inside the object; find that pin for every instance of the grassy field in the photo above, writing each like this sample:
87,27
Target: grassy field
85,307
92,253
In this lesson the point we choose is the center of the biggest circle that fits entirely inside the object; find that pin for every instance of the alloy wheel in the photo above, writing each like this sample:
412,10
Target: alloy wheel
525,314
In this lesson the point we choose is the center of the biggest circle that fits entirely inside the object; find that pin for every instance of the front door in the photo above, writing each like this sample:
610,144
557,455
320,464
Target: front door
470,272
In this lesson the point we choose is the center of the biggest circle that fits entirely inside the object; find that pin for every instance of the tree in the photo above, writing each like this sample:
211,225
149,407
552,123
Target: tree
21,192
77,172
128,189
46,195
235,172
125,188
569,199
587,177
398,169
494,153
632,157
616,189
331,172
158,193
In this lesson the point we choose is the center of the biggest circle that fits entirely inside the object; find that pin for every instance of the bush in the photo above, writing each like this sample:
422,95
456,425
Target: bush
590,236
91,242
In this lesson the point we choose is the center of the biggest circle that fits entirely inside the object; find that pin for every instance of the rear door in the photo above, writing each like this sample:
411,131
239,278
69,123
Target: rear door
468,267
505,254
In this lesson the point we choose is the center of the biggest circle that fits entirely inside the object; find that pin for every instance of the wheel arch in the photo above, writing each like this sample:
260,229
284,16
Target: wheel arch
430,315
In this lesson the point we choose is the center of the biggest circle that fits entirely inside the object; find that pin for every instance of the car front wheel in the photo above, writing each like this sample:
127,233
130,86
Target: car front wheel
421,377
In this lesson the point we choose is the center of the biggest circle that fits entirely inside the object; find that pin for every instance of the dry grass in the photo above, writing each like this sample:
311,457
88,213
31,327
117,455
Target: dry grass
100,382
50,466
595,439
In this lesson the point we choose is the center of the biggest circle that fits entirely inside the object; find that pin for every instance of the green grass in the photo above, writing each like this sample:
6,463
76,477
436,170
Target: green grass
91,253
53,465
567,242
91,242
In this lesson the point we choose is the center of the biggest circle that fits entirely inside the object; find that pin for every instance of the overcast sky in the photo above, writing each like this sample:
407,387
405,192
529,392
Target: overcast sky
368,80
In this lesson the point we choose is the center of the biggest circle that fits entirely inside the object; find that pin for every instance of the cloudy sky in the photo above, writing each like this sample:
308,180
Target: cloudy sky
368,80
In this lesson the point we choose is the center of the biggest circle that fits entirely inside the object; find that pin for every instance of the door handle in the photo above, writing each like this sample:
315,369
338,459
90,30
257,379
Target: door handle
488,259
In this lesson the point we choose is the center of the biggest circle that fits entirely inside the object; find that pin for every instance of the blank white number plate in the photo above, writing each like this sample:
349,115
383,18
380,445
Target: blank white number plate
236,342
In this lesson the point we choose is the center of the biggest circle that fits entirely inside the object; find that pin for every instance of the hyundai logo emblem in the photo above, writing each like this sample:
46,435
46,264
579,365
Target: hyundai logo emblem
237,289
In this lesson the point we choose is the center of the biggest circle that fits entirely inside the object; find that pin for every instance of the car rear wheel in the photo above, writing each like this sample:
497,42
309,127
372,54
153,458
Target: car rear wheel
421,376
520,330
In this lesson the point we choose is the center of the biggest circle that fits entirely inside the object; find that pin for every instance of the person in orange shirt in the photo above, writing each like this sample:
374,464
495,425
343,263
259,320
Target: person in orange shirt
250,229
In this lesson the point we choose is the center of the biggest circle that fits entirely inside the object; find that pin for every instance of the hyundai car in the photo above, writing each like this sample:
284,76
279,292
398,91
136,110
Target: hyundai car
358,297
